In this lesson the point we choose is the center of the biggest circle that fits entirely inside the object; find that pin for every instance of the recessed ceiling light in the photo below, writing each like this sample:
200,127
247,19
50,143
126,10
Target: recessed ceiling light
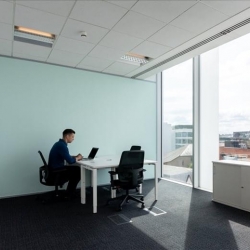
135,59
36,37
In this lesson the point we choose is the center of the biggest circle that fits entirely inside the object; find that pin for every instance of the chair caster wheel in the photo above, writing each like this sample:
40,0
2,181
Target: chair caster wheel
142,206
142,199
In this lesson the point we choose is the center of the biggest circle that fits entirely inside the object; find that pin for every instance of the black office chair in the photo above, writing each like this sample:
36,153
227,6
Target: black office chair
130,175
134,147
49,177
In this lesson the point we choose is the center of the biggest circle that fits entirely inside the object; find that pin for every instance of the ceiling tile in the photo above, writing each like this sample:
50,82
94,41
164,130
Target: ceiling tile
99,13
138,25
229,8
164,11
64,58
120,41
106,53
6,12
39,20
120,68
5,47
199,18
6,31
3,52
125,4
74,46
171,36
30,49
94,62
62,8
30,57
150,49
73,28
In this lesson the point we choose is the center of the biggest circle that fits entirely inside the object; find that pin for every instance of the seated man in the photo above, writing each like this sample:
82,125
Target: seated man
59,153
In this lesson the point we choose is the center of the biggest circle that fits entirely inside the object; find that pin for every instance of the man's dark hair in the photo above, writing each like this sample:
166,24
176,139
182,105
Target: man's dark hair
68,131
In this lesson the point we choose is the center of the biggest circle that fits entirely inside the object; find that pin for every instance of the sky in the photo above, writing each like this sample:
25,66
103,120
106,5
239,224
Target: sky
234,89
177,94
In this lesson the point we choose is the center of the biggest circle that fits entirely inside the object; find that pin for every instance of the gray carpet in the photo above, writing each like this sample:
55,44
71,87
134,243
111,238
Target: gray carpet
192,221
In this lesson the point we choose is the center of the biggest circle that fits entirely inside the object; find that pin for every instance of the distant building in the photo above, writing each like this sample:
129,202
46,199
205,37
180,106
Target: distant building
177,165
183,135
174,137
181,157
232,153
241,135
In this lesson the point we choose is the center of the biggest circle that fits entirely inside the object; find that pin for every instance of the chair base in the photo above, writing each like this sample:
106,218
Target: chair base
126,198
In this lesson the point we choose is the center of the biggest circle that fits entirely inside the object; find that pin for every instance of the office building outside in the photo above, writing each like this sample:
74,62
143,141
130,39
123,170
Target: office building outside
183,135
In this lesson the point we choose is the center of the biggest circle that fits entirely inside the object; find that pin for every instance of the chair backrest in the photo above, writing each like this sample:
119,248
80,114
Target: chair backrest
44,162
130,169
43,171
134,147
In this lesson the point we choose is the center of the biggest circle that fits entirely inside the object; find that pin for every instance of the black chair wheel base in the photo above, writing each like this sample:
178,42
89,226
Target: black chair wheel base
142,206
142,199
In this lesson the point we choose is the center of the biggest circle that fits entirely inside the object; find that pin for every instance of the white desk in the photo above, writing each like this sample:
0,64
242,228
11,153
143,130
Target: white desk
101,163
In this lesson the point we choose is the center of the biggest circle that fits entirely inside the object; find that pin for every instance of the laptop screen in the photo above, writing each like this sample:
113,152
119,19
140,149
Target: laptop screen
93,153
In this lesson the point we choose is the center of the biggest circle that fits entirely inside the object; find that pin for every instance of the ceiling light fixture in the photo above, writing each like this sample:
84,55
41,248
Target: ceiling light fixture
36,37
135,59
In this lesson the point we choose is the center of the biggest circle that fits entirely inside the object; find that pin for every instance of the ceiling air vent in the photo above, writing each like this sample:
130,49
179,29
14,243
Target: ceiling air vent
26,35
195,46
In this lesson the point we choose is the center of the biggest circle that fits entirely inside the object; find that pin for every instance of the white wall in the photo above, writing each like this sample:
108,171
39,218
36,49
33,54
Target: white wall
209,116
38,101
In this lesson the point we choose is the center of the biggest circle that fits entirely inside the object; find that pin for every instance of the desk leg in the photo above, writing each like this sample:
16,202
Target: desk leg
83,188
94,184
156,184
113,191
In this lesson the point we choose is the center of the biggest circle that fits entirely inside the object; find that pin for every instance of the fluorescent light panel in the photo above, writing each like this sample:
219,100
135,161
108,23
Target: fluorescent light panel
135,59
31,36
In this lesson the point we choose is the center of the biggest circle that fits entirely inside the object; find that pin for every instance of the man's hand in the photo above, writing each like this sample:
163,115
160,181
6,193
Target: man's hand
79,157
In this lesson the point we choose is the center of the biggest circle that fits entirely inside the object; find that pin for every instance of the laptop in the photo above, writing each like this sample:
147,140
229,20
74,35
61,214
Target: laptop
92,154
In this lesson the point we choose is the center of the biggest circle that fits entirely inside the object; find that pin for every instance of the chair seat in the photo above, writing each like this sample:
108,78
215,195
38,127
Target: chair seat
123,185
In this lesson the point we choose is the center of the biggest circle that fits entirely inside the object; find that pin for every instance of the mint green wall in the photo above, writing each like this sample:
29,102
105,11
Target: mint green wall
38,101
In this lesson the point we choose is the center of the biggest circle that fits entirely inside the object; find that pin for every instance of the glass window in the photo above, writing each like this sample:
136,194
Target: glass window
178,134
184,134
177,85
234,122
